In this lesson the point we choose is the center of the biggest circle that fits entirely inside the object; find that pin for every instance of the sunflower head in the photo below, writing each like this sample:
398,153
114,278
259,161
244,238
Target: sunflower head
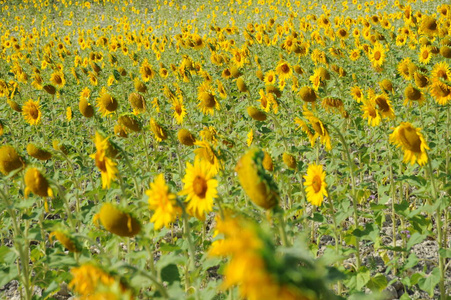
256,114
386,85
267,162
117,221
242,85
445,51
32,112
289,160
38,153
9,160
37,184
85,108
14,105
66,240
257,184
130,122
185,137
50,89
140,86
107,103
307,94
412,142
137,102
315,184
159,132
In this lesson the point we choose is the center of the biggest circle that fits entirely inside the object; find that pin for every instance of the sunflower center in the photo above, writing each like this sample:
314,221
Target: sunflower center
442,74
285,68
442,91
377,55
318,128
270,78
58,79
200,186
34,113
178,109
100,163
383,105
208,100
316,183
413,94
425,54
410,139
372,112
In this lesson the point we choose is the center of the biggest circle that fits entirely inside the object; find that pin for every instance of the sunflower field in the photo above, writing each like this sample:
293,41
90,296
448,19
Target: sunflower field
225,149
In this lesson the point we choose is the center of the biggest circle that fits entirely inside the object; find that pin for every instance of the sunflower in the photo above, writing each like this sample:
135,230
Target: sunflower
178,108
412,94
440,92
106,103
37,184
38,153
386,86
137,102
185,137
31,112
200,188
257,184
377,55
425,54
319,129
284,70
57,78
208,102
87,278
66,240
357,94
163,203
441,72
371,113
206,152
103,161
384,106
9,160
159,132
117,221
429,26
403,68
412,142
315,184
147,73
270,77
307,94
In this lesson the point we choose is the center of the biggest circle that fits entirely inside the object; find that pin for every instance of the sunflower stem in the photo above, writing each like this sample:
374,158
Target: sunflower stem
354,198
337,235
438,213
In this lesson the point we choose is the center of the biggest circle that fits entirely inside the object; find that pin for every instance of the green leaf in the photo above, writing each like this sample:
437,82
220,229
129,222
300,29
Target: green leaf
50,290
411,262
170,273
7,274
416,238
164,247
446,253
428,283
363,277
377,283
7,255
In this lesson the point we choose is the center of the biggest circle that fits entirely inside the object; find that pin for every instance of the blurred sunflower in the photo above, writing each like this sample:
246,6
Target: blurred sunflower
103,161
163,203
371,113
36,183
315,184
199,188
106,103
412,142
159,132
206,152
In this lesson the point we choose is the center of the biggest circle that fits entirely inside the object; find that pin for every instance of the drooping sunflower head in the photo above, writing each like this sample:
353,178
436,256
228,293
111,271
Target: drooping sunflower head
85,108
137,102
107,104
289,160
185,137
257,184
38,153
66,240
130,122
9,160
413,94
37,184
411,141
158,130
256,114
117,221
386,86
242,85
307,94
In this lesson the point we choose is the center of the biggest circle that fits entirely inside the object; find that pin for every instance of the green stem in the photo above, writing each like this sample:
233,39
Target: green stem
337,235
354,198
438,213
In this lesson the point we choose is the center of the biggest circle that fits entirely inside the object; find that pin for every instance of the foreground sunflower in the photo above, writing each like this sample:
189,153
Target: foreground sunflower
315,184
163,203
200,188
37,184
31,112
412,142
9,160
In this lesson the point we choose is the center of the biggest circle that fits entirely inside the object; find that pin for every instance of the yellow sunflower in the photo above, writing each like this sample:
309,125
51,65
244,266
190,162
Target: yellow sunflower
206,152
117,221
371,113
163,203
412,142
284,70
178,108
159,132
200,188
106,103
106,165
377,55
58,79
315,184
440,92
31,112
